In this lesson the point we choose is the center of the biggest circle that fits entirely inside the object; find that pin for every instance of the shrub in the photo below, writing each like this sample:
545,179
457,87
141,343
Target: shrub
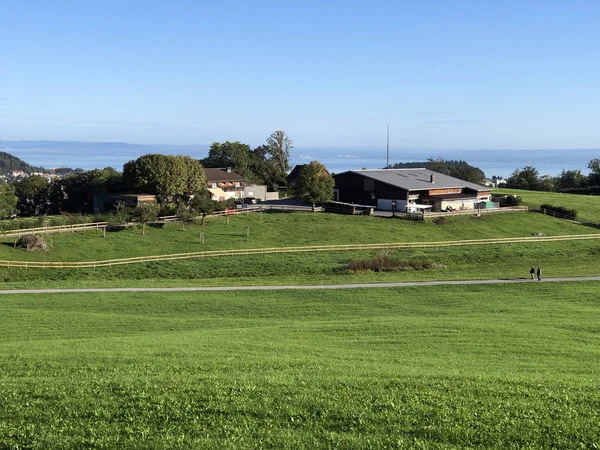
571,213
440,220
511,200
383,262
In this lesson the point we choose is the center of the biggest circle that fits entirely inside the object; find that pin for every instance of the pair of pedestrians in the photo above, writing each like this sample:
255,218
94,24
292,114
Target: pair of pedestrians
532,272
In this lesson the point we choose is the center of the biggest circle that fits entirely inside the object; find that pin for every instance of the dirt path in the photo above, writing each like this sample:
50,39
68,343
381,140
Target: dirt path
290,287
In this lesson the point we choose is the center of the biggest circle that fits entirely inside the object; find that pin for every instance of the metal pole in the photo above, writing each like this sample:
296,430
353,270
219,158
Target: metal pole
387,165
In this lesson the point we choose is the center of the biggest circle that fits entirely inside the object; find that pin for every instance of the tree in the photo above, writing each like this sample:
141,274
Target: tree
279,145
457,169
314,184
75,192
229,154
32,193
144,213
546,183
569,179
203,204
8,201
195,176
263,168
594,176
185,214
165,176
526,178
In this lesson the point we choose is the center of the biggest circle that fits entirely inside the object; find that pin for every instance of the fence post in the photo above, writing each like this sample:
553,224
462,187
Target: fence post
202,238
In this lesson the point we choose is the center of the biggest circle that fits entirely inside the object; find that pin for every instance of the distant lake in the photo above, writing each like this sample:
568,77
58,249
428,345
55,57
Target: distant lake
89,155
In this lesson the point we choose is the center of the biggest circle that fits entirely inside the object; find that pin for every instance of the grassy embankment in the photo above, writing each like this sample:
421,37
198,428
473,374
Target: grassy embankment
587,206
570,258
433,367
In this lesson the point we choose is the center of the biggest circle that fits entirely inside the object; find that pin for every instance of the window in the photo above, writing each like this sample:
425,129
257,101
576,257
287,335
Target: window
238,184
214,185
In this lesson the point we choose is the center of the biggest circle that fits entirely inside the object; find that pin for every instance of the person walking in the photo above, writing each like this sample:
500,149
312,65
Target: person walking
532,272
539,274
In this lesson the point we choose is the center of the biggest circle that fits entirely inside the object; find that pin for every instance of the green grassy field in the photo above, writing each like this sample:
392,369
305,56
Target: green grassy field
570,258
443,367
587,206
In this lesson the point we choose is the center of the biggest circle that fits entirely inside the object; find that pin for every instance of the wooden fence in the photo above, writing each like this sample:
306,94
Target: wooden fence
55,229
475,212
273,250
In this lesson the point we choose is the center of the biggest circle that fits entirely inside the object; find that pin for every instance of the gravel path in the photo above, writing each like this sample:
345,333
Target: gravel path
289,287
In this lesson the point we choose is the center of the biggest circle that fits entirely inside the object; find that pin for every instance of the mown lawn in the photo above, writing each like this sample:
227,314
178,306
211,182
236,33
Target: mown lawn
587,206
445,367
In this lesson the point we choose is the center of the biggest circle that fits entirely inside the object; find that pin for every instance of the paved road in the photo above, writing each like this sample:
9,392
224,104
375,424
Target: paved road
279,288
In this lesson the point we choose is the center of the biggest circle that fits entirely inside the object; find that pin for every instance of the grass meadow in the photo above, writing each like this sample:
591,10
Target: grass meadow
569,258
587,206
439,367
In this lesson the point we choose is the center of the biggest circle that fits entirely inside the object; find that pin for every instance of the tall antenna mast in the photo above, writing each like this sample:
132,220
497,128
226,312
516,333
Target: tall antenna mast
387,166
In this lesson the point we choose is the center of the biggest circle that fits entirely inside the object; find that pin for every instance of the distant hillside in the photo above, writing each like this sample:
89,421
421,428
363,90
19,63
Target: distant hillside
10,162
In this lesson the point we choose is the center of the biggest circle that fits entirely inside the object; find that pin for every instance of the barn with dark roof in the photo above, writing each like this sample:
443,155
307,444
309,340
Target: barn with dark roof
410,189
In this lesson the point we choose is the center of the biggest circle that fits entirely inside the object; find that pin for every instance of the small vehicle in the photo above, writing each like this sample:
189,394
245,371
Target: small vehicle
250,200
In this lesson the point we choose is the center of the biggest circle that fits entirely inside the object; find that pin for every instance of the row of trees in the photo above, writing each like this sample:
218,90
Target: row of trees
458,169
173,180
266,164
572,181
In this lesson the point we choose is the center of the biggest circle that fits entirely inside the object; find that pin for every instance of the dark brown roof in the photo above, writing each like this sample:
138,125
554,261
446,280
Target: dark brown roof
221,174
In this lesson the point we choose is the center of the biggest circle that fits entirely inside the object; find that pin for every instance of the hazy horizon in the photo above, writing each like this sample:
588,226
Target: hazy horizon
502,162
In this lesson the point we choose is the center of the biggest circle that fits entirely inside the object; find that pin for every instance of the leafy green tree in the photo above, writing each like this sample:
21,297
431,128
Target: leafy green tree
229,154
203,204
526,178
75,192
457,169
8,201
314,184
32,193
264,170
546,183
279,145
569,179
594,176
185,213
145,213
195,176
165,176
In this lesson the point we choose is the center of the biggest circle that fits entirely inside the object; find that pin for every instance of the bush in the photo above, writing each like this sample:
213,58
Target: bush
440,220
511,200
572,213
384,262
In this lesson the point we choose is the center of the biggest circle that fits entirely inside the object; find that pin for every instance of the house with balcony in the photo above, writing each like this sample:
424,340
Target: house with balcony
224,183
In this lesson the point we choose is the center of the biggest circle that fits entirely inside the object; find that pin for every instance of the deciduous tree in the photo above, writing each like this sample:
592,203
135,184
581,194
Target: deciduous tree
165,176
145,213
314,184
32,193
279,145
203,204
8,201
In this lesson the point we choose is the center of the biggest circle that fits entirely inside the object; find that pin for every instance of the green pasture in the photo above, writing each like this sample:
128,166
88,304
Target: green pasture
568,258
587,206
445,367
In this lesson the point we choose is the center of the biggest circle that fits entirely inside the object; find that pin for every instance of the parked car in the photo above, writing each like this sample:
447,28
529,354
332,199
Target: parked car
250,200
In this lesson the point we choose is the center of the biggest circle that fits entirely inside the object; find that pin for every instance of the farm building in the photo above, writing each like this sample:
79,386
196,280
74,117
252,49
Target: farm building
410,189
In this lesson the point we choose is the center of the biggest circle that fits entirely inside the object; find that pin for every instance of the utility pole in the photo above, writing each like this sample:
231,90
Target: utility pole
387,165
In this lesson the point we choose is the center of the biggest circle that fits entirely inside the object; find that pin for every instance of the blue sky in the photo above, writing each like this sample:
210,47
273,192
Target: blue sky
444,74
